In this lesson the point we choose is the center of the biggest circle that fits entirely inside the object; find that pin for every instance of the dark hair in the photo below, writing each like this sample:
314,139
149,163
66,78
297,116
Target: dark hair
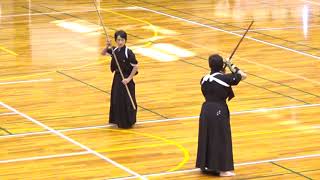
120,33
215,63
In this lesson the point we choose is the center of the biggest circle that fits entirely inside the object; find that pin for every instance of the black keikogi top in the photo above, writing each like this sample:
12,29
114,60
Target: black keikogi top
126,59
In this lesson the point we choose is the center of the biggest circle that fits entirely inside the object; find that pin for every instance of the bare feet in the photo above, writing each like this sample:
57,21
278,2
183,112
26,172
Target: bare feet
111,125
227,173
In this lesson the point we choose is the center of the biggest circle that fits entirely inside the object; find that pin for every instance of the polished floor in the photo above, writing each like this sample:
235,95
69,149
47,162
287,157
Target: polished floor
55,88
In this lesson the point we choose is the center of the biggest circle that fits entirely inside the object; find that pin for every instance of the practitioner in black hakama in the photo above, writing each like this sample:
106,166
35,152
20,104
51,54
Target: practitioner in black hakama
215,143
122,112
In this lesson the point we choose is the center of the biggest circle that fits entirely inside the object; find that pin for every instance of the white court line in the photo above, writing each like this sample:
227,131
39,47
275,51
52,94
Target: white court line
281,71
236,165
48,132
40,14
229,32
10,113
173,119
73,141
262,110
253,62
157,174
44,157
26,81
279,28
61,12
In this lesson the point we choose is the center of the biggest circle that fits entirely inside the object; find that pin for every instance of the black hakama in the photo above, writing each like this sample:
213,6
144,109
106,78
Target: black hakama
214,141
121,111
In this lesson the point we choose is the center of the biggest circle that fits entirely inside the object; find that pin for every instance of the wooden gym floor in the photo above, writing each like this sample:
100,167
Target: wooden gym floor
55,88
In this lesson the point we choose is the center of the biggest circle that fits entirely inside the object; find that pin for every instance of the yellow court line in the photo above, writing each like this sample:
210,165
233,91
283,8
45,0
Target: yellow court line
137,147
225,54
8,51
186,154
155,34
